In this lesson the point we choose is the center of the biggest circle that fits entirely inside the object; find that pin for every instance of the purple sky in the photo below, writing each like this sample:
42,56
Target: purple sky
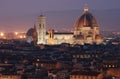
20,15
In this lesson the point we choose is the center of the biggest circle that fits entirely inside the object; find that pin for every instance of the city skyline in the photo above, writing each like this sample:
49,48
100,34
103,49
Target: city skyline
21,15
59,39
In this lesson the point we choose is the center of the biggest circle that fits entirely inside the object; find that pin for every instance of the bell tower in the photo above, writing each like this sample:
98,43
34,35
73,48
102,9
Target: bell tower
41,26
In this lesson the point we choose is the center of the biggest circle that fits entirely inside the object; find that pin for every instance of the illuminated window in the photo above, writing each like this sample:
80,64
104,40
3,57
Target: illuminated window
106,66
113,65
73,56
85,56
88,56
96,55
81,56
109,65
77,56
37,64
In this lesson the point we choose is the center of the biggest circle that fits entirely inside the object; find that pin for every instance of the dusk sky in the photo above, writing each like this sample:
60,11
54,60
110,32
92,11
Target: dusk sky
20,15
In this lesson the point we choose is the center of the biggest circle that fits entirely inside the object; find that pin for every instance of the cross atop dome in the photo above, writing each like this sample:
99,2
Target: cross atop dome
86,8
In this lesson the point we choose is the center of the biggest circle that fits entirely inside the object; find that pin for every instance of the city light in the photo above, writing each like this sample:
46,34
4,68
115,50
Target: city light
1,34
21,36
24,36
16,33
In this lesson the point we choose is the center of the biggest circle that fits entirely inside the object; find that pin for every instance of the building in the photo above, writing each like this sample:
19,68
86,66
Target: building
45,64
86,30
111,63
114,72
30,35
84,75
10,76
49,64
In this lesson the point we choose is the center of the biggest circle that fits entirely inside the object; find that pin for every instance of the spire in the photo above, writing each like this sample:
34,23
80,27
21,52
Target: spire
86,8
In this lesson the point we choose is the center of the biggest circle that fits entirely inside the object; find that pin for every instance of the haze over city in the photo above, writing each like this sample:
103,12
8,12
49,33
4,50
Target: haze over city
20,15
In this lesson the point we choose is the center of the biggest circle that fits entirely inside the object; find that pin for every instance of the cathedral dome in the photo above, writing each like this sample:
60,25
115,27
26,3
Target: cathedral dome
30,32
86,20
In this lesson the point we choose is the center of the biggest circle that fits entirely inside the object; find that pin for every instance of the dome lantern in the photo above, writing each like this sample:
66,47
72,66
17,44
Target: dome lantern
86,8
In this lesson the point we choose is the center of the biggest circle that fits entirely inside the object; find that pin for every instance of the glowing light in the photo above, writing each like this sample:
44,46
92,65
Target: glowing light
21,36
1,34
16,33
24,36
86,8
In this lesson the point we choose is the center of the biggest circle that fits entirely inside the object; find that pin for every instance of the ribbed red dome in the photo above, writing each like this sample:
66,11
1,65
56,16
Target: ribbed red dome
86,20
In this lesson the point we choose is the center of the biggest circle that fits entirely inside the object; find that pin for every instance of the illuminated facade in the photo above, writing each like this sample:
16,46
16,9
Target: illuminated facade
41,29
5,76
86,30
84,75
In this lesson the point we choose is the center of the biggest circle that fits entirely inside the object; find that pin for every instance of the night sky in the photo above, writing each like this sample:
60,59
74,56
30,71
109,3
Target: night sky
20,15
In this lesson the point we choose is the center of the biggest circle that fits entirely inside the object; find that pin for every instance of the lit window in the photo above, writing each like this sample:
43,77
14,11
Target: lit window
109,65
73,56
77,56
